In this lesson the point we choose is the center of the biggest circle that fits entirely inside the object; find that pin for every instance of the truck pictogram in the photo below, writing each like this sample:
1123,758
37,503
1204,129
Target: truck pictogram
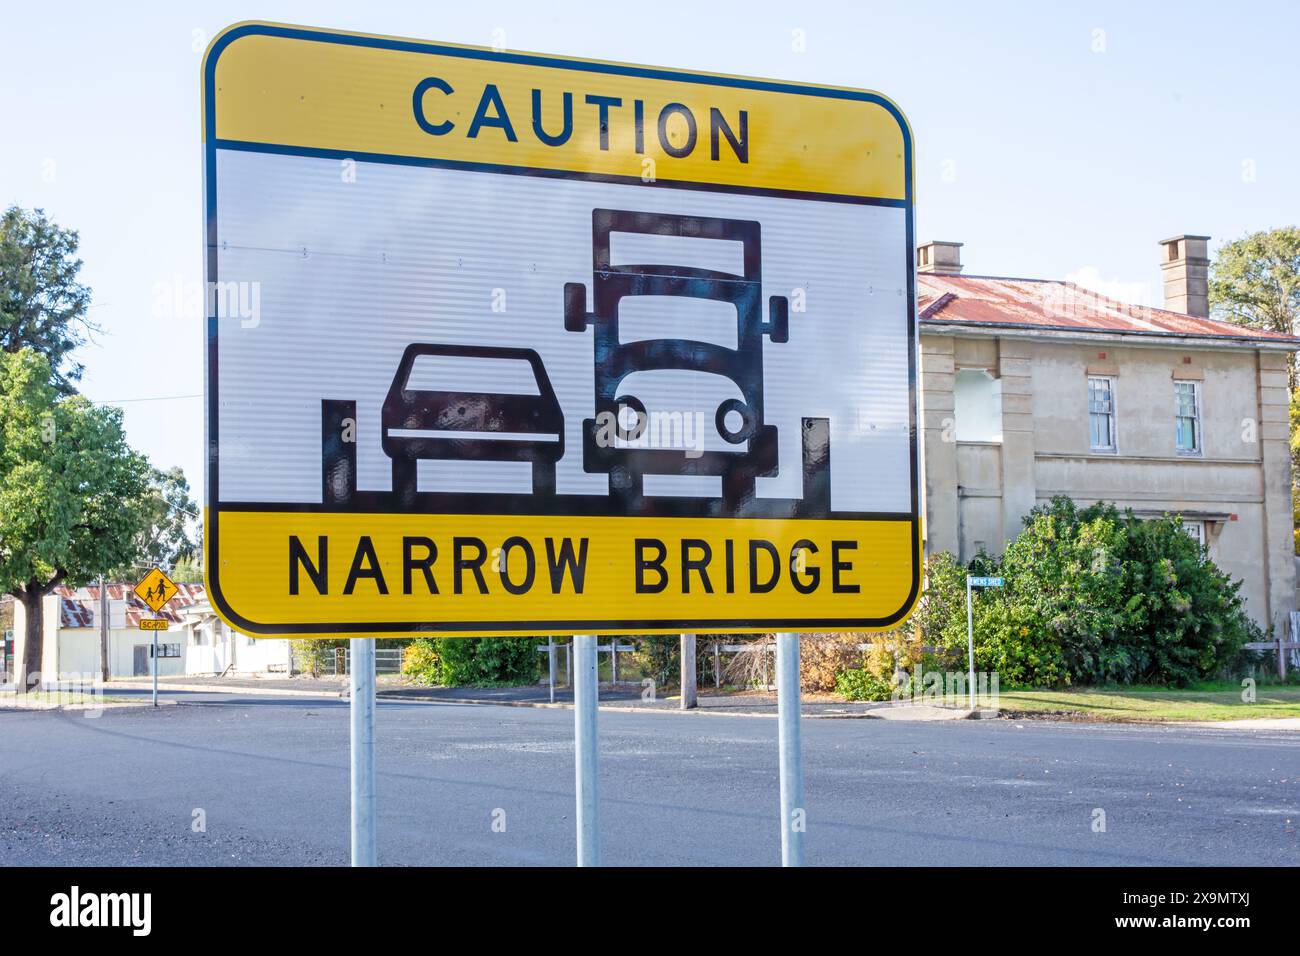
739,422
475,417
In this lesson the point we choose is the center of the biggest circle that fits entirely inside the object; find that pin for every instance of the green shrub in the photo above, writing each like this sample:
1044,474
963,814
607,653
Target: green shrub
1092,596
422,662
1184,618
659,657
316,656
861,684
482,661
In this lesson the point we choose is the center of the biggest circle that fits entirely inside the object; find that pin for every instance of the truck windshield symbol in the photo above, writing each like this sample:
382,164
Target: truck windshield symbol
739,422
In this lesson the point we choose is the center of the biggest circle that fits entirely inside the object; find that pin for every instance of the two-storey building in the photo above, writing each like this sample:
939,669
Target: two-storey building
1035,388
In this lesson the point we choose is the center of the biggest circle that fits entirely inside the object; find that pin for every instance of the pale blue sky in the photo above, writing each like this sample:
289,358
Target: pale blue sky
1054,140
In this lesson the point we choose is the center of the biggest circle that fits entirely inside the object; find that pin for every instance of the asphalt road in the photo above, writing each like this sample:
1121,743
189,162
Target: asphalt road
270,776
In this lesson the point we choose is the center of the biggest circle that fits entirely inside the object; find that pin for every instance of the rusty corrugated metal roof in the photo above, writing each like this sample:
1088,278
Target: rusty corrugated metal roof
1055,304
76,605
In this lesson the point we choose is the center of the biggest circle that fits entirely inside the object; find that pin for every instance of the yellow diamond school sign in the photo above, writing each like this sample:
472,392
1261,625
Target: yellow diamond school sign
156,589
501,343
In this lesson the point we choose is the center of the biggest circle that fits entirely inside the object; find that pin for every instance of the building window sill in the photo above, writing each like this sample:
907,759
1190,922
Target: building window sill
1115,456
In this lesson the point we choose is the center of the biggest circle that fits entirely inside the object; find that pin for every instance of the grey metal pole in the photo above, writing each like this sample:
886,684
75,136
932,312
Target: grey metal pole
550,662
365,848
793,816
585,696
155,668
103,631
970,644
689,697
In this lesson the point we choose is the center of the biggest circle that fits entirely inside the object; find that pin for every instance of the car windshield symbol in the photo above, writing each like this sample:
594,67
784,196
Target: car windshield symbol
498,405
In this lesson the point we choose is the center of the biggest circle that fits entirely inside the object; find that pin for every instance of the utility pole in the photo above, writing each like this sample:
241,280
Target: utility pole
689,689
103,631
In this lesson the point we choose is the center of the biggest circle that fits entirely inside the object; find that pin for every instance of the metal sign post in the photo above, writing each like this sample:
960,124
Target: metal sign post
550,665
585,696
973,582
365,851
550,650
788,701
970,645
689,694
156,589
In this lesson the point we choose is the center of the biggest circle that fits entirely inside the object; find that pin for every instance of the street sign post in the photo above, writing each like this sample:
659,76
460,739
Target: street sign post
155,589
364,774
503,344
974,582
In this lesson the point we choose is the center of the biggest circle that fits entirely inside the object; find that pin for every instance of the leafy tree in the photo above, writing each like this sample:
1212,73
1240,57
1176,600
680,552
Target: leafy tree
72,492
42,304
1255,280
165,540
187,570
1295,466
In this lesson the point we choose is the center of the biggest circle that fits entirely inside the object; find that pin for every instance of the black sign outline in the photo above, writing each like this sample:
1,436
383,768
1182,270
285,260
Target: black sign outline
212,498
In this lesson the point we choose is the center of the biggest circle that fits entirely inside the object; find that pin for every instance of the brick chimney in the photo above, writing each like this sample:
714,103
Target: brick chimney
1185,262
939,258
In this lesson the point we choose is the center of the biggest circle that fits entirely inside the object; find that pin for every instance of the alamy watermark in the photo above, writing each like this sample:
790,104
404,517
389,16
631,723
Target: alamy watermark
633,427
946,688
233,299
71,691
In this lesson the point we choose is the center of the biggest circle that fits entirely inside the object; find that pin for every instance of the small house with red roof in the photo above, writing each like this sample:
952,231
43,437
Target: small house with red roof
196,641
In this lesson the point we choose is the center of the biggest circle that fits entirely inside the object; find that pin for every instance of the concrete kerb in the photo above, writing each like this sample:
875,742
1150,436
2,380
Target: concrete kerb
211,689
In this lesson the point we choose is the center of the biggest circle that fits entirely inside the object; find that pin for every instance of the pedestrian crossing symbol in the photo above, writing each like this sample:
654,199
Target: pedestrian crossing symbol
156,589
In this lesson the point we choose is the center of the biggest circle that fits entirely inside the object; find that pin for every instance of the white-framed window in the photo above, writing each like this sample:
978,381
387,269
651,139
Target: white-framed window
1187,417
977,406
1101,412
1197,530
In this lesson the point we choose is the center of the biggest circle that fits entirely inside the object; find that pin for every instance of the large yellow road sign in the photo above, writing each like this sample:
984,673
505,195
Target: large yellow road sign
503,343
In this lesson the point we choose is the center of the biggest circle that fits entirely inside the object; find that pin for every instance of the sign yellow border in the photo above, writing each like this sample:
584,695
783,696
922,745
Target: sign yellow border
305,105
